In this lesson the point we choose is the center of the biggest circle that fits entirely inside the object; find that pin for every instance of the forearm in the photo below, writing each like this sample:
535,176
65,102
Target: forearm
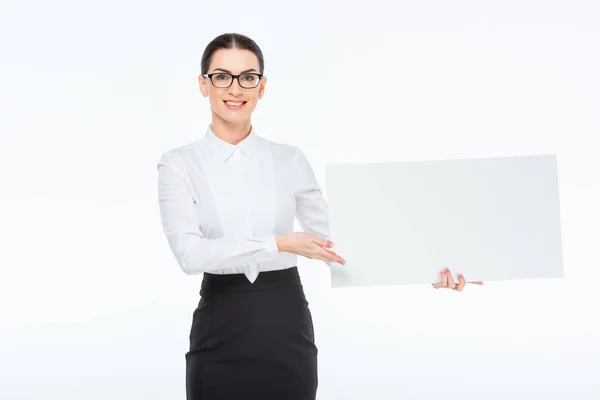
194,252
196,255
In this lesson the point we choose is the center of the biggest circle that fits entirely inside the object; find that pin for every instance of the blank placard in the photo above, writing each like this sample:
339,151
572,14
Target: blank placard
402,222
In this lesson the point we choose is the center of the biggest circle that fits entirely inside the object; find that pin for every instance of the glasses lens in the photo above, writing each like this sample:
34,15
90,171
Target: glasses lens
221,80
249,81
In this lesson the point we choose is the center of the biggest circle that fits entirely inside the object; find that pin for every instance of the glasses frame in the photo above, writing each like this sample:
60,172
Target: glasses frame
209,76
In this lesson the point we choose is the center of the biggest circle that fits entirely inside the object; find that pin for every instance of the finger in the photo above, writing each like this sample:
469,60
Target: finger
444,280
461,283
438,285
329,255
451,283
339,259
326,255
476,282
326,243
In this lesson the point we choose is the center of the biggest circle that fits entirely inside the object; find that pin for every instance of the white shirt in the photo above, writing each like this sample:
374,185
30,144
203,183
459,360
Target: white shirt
222,205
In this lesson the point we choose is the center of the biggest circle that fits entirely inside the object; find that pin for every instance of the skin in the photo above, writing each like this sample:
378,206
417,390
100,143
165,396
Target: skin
233,126
447,281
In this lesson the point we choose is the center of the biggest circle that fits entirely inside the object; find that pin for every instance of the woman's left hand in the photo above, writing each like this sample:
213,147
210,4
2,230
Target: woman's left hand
447,281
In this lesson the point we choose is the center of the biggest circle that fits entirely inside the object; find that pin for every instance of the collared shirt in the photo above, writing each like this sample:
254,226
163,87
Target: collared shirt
222,205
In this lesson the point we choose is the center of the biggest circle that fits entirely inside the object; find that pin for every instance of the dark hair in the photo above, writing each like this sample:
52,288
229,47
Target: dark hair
230,41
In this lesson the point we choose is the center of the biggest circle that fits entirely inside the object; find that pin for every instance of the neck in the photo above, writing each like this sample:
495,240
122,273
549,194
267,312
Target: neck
231,133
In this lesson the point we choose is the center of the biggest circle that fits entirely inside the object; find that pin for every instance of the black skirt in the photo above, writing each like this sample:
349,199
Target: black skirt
252,340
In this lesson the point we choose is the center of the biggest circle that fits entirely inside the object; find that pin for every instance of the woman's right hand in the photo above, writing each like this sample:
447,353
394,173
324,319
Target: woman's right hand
308,245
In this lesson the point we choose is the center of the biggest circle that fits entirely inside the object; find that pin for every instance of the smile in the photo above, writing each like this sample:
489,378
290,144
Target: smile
234,105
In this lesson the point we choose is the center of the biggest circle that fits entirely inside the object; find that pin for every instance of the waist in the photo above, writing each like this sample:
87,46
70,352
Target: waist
265,280
281,261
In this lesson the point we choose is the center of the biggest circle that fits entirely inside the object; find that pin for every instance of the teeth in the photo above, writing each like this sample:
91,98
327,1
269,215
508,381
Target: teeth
235,103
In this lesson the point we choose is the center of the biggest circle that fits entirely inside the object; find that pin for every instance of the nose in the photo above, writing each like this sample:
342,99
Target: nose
235,88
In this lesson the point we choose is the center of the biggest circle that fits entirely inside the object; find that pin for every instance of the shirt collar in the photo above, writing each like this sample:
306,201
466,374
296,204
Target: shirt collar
225,149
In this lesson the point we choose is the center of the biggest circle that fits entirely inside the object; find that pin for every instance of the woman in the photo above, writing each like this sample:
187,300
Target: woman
228,203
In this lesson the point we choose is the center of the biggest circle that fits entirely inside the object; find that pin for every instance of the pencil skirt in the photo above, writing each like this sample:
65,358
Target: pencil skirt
252,340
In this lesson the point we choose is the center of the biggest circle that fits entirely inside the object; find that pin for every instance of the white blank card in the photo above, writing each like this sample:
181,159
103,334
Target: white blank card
402,222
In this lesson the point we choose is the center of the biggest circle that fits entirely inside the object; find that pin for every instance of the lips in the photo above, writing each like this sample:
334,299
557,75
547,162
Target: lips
235,105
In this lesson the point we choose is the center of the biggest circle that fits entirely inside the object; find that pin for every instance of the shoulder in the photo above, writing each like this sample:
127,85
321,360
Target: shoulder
282,151
179,157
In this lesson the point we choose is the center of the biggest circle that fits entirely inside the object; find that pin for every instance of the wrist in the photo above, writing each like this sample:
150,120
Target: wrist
281,242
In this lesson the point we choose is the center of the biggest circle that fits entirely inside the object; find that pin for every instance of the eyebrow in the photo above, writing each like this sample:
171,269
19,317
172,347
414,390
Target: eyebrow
229,72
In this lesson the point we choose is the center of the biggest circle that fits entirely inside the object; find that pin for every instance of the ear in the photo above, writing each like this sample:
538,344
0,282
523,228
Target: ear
261,90
203,86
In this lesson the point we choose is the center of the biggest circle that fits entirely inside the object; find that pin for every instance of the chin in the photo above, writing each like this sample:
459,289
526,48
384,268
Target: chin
235,115
232,119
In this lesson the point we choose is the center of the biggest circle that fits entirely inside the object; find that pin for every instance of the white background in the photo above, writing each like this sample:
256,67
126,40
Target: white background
92,302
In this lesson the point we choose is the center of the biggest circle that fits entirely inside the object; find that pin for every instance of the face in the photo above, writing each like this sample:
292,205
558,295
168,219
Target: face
234,61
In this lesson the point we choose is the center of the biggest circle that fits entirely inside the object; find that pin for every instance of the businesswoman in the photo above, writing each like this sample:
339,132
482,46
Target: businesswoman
227,203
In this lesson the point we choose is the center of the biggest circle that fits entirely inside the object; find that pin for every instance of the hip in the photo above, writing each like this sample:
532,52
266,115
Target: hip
271,311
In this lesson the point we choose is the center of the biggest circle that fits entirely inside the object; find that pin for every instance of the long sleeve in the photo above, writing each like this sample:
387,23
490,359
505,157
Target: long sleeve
195,253
312,210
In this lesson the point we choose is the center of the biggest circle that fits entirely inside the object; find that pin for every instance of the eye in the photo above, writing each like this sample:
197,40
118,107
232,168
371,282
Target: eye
222,76
248,77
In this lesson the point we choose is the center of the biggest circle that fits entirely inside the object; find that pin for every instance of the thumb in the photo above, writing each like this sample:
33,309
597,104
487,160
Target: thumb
325,243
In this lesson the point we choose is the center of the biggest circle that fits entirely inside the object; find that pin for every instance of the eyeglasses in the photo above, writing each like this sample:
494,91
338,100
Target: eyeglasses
223,80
